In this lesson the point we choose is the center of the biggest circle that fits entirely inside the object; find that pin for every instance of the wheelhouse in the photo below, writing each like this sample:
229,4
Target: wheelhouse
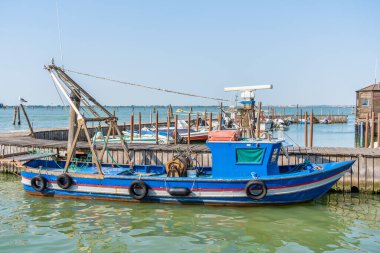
245,159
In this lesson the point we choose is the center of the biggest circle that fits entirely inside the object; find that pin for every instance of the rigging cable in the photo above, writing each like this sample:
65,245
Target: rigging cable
147,87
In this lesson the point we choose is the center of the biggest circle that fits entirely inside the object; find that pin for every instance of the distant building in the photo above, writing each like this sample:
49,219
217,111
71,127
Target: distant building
367,101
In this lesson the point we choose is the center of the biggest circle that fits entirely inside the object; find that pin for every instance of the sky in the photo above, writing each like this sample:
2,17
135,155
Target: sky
312,52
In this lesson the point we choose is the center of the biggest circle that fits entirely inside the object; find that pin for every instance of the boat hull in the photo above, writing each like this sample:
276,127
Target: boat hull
285,189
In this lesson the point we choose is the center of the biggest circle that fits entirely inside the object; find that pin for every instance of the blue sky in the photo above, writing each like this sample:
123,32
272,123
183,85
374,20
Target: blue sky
313,52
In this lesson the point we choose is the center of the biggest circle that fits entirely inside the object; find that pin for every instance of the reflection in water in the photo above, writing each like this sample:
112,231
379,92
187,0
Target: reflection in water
346,222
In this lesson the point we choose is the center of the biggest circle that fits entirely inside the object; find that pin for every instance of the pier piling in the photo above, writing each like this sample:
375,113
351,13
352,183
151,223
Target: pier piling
311,129
306,130
27,120
175,129
372,129
210,122
366,130
188,128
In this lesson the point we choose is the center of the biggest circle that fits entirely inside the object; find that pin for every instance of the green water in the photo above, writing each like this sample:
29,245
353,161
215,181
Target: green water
335,223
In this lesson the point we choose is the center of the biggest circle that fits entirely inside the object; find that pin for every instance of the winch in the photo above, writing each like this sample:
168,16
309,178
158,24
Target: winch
178,166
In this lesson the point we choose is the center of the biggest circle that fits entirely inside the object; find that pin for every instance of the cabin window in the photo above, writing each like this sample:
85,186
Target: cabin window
365,102
249,155
274,156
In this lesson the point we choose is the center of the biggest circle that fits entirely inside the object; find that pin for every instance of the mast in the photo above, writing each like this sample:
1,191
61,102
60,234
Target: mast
248,95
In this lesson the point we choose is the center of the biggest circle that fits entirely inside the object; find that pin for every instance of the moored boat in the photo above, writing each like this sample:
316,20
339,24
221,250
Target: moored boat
244,172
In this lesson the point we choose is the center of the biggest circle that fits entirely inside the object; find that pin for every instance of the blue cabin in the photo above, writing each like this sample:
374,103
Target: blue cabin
245,159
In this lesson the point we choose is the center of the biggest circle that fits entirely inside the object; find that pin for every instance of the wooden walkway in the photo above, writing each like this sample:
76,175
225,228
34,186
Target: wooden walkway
364,176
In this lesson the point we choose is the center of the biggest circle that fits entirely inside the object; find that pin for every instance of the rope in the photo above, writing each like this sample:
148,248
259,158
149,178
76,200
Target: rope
147,87
109,153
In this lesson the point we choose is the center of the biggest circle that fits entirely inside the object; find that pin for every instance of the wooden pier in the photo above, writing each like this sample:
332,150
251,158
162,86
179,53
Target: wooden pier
18,148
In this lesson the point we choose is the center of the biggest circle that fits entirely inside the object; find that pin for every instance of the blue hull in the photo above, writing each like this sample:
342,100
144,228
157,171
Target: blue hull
281,189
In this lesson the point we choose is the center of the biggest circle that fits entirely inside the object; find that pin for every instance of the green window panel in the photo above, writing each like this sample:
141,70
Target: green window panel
249,155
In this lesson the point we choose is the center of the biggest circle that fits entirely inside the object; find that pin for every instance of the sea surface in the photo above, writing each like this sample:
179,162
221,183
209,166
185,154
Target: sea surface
331,135
334,223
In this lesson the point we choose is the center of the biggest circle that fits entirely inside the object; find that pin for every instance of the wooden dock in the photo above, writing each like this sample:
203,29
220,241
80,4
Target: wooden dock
16,148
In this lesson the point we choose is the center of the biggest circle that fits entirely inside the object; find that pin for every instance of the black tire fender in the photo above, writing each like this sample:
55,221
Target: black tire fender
261,194
38,183
138,189
179,191
64,181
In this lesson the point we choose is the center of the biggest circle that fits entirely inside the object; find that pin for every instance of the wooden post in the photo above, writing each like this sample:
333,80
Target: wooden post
140,127
157,127
306,128
18,116
378,130
205,118
175,129
168,121
27,120
14,115
258,121
311,129
131,128
210,122
366,130
73,124
372,128
197,122
188,128
219,121
113,129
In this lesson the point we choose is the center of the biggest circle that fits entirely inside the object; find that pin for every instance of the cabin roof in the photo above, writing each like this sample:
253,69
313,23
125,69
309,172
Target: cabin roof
271,141
372,87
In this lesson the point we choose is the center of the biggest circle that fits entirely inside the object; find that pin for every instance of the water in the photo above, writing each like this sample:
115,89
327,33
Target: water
333,135
337,222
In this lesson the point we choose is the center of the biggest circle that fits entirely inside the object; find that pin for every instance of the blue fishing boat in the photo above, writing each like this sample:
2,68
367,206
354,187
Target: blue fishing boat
244,172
